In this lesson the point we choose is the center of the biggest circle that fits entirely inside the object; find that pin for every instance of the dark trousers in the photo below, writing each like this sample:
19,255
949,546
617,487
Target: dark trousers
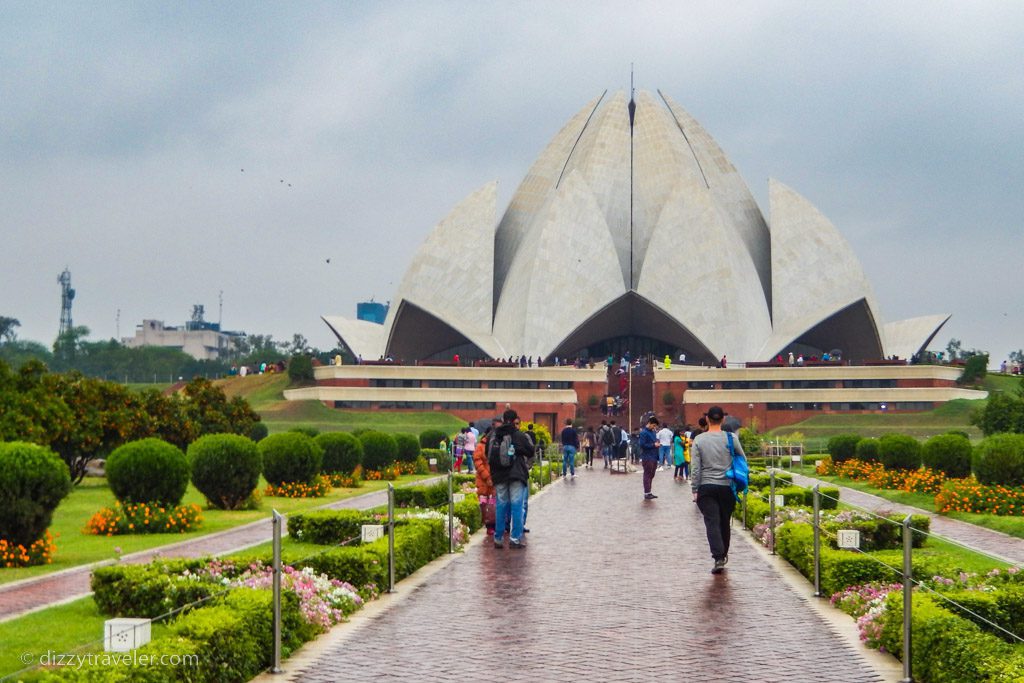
650,467
716,503
590,454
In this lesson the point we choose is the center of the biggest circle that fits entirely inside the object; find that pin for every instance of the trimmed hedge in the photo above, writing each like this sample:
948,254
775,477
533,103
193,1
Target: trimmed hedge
843,447
379,450
225,468
798,495
949,453
329,527
147,590
432,438
899,452
408,447
33,481
761,480
342,452
947,648
148,471
422,496
290,457
999,460
444,458
867,450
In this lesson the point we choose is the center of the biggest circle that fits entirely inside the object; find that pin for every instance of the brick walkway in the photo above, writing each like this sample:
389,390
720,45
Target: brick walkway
22,597
611,588
995,543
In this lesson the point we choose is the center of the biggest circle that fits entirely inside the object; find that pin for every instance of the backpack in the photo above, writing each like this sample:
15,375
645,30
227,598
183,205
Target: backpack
739,473
616,435
606,436
502,452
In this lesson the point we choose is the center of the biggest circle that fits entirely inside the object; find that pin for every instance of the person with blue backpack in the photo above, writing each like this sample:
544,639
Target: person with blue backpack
717,475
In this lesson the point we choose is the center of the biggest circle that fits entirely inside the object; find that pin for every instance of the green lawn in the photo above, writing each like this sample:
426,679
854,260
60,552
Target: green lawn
818,429
74,628
265,395
76,548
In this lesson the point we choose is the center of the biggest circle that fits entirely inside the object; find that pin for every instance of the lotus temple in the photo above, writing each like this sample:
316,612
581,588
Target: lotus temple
633,232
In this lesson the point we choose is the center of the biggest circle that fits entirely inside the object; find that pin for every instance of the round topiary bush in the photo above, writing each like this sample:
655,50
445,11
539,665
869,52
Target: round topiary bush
225,468
33,480
290,457
843,447
867,450
899,452
999,459
311,432
949,453
258,432
379,450
408,447
430,438
148,471
342,452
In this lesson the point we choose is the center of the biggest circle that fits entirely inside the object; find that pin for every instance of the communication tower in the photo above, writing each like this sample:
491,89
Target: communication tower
67,295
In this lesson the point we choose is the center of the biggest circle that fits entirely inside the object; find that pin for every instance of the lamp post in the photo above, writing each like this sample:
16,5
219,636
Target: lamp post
750,420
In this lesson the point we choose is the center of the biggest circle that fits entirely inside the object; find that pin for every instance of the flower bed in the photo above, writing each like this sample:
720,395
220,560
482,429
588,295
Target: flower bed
951,495
298,489
39,552
144,518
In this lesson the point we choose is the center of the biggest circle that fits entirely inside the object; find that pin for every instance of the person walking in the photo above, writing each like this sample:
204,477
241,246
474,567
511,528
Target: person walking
664,447
510,481
469,447
484,484
679,456
607,439
589,443
570,444
460,448
649,454
711,456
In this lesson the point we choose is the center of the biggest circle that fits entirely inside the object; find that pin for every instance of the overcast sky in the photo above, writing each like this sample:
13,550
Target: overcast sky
124,129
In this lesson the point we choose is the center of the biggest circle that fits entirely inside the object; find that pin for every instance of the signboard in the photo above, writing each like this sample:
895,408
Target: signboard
371,532
780,500
848,538
796,458
458,497
432,462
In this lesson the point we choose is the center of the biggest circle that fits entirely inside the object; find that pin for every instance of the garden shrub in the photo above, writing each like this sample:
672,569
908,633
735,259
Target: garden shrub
408,447
999,460
379,450
762,480
148,471
225,468
311,432
300,369
798,495
867,450
750,441
947,648
843,447
144,518
899,452
949,453
421,466
289,458
258,432
443,458
342,452
432,438
147,590
329,527
422,496
33,481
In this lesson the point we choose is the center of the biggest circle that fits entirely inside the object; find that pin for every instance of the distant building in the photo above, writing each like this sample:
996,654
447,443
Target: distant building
372,311
200,339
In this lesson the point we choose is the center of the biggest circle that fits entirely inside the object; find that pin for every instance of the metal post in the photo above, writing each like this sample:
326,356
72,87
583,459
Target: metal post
540,466
551,475
908,584
771,510
391,538
817,541
277,523
451,515
745,509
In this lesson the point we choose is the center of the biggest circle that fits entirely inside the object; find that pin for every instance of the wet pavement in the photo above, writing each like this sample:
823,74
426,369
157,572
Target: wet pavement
611,588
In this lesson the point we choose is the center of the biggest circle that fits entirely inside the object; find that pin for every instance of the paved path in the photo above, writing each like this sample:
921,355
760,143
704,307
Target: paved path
21,597
610,588
1003,546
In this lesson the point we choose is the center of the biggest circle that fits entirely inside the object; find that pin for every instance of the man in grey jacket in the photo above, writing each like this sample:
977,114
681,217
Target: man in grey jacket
712,490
